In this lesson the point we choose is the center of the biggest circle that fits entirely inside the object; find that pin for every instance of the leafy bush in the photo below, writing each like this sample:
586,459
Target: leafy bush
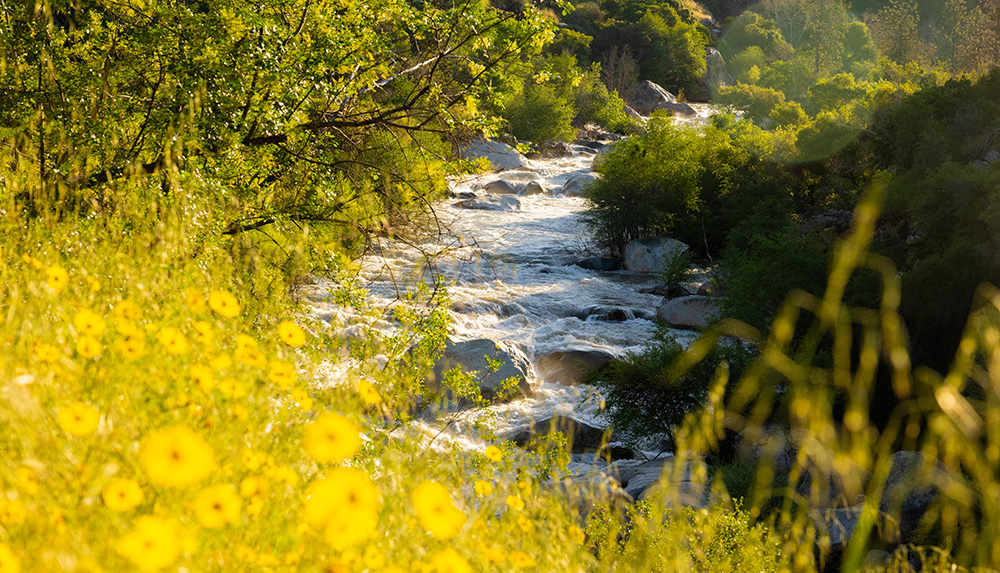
647,395
540,114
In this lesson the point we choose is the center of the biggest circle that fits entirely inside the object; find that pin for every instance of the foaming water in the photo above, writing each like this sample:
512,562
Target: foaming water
510,276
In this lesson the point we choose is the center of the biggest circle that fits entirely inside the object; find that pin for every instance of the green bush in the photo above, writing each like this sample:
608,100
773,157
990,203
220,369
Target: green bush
540,115
645,395
594,103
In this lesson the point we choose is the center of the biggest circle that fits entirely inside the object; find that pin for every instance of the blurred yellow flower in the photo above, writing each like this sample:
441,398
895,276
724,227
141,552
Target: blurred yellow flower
27,478
493,553
521,559
368,392
436,511
576,534
217,506
253,485
57,278
154,544
79,419
89,323
373,558
483,488
344,505
122,494
332,438
449,561
255,505
173,340
203,377
302,398
195,300
245,342
286,475
176,457
524,523
9,563
12,511
252,460
291,334
240,412
205,333
515,502
493,453
125,310
47,352
282,374
221,362
132,345
223,303
88,347
230,388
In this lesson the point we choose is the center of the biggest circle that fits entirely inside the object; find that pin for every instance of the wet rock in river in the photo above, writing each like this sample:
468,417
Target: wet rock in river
599,264
580,437
570,367
500,155
471,355
650,255
688,311
496,203
500,187
576,184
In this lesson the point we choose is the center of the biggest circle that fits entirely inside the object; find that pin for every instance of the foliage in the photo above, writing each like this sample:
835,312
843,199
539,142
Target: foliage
540,114
651,392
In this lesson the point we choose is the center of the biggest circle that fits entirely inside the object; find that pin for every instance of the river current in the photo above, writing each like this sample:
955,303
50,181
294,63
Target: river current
511,277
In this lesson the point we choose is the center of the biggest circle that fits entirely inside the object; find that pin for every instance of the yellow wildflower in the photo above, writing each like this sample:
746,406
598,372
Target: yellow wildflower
154,544
47,352
291,334
12,511
221,362
252,460
57,278
203,377
282,374
245,342
9,563
173,340
28,480
217,506
132,345
89,323
302,398
287,475
449,561
345,505
515,502
255,505
253,485
493,553
125,311
176,457
205,333
79,419
332,438
576,534
195,300
483,488
230,388
373,558
122,494
436,511
224,304
521,559
88,347
368,392
493,453
524,523
240,412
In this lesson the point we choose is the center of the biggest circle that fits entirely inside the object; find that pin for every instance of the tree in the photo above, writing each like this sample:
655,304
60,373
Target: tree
894,30
312,112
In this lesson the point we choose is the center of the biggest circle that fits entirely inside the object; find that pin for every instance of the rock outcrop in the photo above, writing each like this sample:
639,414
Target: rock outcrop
471,355
649,255
688,311
500,155
571,366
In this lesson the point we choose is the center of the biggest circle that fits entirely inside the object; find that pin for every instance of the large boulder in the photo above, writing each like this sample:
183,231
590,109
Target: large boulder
688,311
500,187
534,188
571,366
494,203
648,97
580,437
650,255
684,483
576,184
500,155
471,355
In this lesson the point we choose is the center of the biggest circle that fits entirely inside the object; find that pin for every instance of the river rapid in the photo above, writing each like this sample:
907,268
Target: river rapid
511,277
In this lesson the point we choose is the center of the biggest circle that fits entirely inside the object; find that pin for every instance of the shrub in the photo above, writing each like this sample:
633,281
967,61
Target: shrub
540,115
